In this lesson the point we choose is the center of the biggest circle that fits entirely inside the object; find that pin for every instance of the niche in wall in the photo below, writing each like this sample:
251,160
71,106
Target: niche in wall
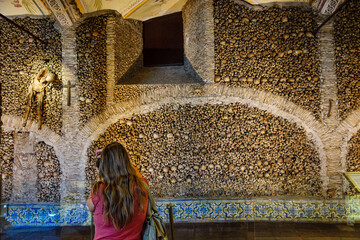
164,41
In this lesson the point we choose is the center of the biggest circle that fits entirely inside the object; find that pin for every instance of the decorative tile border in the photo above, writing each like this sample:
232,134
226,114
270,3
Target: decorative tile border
48,215
255,210
353,209
207,210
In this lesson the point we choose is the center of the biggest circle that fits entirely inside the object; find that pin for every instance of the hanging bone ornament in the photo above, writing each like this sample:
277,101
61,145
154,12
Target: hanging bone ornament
36,93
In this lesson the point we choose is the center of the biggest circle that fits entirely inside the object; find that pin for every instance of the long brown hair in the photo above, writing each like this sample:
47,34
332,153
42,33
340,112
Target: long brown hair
122,181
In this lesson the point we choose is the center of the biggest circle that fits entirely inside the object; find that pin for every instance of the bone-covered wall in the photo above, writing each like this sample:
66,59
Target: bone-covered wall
216,151
353,159
125,93
7,161
272,50
128,48
347,43
22,58
49,173
91,72
353,154
199,39
212,148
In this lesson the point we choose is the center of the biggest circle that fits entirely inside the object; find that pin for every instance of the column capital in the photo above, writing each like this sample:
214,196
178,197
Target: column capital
327,7
64,12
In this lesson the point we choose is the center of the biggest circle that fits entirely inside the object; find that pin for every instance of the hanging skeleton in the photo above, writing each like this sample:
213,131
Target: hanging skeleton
36,92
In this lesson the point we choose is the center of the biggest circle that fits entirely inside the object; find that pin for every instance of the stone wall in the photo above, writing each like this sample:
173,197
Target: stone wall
22,58
347,45
272,50
92,70
199,38
128,47
49,173
203,151
7,160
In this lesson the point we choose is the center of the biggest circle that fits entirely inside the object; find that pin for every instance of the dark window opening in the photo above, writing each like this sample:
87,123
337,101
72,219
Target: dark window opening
164,41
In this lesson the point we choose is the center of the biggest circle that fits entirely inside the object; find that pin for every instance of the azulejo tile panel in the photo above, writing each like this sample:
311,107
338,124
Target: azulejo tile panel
255,210
194,210
47,214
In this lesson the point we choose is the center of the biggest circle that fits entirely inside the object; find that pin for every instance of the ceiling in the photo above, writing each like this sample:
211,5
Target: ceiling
136,9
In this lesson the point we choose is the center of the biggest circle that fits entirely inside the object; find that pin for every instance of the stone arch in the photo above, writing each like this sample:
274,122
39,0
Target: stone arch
351,124
213,94
14,123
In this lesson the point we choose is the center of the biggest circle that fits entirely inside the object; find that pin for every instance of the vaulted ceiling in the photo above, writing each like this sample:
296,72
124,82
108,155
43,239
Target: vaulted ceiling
68,11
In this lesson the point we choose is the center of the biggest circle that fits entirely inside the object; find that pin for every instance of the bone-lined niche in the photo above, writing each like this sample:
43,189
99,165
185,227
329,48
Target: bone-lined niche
23,57
216,151
49,173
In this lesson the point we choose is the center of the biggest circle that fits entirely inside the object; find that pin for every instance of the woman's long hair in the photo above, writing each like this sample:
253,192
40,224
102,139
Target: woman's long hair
122,181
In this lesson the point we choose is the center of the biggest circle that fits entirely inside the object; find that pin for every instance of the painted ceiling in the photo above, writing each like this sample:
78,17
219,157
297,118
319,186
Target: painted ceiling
136,9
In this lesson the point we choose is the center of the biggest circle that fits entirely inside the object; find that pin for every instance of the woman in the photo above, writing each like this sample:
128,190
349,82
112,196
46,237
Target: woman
119,200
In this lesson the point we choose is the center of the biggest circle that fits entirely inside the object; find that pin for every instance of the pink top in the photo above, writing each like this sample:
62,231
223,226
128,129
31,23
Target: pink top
103,230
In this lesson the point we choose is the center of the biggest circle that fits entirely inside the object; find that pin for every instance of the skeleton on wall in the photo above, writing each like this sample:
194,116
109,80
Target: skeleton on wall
36,93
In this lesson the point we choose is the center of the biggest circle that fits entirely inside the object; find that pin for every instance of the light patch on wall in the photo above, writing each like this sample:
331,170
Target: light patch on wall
151,9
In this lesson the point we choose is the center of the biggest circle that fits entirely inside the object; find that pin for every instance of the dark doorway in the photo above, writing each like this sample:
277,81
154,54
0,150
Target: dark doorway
163,41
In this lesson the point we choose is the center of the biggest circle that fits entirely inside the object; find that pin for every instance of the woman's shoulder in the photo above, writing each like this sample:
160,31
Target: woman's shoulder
144,180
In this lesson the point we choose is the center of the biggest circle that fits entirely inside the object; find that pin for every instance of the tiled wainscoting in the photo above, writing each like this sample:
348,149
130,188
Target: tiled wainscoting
205,210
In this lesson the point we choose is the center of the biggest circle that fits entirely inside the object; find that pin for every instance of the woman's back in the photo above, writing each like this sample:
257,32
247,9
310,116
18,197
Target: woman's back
119,200
106,229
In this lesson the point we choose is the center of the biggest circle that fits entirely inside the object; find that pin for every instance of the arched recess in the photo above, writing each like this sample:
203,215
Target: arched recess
14,123
48,173
209,94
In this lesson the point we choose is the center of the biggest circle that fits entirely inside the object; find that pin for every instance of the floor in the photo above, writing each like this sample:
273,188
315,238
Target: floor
210,231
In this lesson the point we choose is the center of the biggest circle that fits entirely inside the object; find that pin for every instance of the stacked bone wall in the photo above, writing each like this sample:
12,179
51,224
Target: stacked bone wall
272,50
199,38
347,50
353,154
91,72
7,160
125,93
22,58
128,48
49,173
231,150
